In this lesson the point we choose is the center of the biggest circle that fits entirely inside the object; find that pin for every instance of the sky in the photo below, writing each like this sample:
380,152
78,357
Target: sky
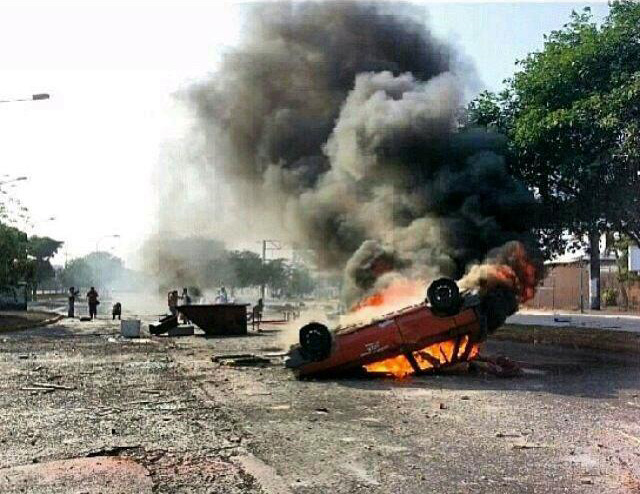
91,152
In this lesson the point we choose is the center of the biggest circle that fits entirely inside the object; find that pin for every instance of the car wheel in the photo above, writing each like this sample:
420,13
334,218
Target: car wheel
444,296
315,341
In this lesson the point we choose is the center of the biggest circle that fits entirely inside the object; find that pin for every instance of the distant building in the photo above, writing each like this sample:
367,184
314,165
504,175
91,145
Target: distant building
566,284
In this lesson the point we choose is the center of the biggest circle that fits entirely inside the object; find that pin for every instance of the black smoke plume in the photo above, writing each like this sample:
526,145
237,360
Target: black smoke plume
336,124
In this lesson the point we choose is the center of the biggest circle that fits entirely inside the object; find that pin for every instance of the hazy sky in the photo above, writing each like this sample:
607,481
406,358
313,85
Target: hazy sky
111,67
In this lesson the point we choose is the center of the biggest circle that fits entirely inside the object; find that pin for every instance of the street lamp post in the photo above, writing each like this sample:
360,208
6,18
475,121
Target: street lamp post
34,97
10,181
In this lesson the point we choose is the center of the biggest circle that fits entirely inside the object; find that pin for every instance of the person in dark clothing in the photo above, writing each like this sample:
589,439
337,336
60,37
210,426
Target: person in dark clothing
73,293
92,298
257,314
172,301
116,311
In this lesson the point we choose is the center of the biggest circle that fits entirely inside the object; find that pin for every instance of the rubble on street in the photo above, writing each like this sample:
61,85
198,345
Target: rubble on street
91,411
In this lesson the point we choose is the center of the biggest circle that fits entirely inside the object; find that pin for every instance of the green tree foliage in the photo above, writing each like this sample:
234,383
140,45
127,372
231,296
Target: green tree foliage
14,265
247,269
41,250
300,281
572,116
77,273
100,269
106,268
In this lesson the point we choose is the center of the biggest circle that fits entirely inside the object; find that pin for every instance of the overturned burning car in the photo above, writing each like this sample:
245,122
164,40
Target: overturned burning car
442,331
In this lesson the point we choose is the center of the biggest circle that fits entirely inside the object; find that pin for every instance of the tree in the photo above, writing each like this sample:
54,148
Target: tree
619,245
77,273
41,250
300,282
572,116
106,268
247,268
100,269
14,265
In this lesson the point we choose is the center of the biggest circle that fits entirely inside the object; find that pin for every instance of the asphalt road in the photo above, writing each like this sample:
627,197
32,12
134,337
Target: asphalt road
157,415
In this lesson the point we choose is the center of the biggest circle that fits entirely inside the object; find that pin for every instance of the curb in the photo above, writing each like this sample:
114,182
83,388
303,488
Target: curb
595,339
37,324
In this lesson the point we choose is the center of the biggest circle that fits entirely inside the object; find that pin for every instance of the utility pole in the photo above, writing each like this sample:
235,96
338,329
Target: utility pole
581,264
267,245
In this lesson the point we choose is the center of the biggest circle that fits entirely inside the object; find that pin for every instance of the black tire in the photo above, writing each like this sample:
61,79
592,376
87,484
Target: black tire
315,341
444,296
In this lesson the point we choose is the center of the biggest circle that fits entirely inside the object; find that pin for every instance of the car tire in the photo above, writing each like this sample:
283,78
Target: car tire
444,296
315,341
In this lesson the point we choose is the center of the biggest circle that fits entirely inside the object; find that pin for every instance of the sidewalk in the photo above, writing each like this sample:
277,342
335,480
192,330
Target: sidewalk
559,319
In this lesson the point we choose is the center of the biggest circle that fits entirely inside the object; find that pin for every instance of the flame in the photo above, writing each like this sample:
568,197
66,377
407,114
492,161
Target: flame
433,356
398,367
513,268
400,293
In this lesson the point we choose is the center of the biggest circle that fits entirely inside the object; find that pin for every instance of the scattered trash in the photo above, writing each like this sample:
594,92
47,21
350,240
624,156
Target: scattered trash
240,360
32,388
507,434
110,450
46,387
151,391
54,386
280,407
218,358
443,406
322,410
529,446
163,325
562,319
499,366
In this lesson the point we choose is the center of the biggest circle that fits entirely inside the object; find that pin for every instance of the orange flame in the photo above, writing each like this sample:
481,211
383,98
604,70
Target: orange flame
432,357
398,367
513,269
400,293
399,290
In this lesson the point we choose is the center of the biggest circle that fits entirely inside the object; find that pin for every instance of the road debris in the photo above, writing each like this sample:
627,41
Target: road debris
163,325
241,359
40,385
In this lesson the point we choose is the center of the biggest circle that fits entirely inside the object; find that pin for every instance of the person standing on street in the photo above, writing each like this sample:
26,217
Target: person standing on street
186,300
73,293
172,301
92,298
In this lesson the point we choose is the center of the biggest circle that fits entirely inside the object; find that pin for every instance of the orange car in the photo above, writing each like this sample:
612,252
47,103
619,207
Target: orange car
443,330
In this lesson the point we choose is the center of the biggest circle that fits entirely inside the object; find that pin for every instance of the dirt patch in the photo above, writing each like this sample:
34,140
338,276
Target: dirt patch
573,337
17,320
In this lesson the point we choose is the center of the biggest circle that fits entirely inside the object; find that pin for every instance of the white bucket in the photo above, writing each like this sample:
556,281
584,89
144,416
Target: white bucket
130,328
